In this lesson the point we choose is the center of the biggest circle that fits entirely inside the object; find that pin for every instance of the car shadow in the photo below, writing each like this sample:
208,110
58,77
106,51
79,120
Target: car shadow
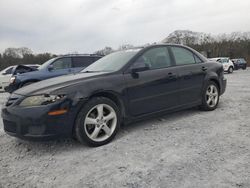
70,144
158,119
165,118
52,146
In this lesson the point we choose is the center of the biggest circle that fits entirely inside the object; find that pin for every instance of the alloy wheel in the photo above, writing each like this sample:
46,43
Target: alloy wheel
100,122
230,70
212,96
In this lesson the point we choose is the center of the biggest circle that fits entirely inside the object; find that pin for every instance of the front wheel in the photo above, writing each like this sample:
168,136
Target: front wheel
97,122
230,70
210,97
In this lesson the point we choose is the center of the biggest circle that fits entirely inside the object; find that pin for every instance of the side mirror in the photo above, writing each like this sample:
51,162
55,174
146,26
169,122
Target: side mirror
50,67
140,68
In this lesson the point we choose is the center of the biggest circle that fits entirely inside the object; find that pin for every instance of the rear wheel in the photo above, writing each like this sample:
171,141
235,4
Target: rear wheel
97,122
230,70
210,97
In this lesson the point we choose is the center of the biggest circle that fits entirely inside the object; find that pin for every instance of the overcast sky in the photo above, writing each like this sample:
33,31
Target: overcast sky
62,26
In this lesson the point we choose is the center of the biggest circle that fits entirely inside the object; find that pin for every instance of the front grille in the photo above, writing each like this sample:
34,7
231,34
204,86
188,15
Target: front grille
10,126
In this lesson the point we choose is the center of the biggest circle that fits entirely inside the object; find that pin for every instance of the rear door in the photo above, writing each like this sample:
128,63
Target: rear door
154,89
191,71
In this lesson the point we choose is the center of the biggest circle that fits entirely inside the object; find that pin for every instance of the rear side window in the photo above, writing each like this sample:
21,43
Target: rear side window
183,56
82,61
62,63
197,59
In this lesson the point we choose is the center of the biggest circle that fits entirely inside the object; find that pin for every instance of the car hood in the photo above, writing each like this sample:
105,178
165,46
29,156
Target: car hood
5,78
52,84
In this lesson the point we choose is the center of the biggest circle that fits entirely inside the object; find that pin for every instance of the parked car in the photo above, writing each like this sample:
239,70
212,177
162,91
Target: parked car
57,66
228,65
121,87
6,74
239,63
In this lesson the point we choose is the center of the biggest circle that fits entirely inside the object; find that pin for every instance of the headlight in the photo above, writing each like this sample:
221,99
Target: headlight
39,100
12,79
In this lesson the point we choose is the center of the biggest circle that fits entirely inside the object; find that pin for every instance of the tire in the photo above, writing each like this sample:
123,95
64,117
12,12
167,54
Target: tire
230,70
97,122
210,96
244,68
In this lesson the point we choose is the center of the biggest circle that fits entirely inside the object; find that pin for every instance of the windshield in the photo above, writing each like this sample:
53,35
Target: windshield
8,70
112,62
46,64
224,60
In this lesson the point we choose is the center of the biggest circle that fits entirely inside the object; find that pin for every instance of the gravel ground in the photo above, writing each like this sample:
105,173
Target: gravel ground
184,149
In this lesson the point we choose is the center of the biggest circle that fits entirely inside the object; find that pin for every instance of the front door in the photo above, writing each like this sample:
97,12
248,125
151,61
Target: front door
153,89
60,67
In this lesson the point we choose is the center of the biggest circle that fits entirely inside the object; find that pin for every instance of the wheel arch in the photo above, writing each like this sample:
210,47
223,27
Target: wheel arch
217,83
114,97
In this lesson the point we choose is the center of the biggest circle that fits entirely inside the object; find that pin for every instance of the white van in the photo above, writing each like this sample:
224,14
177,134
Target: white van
228,65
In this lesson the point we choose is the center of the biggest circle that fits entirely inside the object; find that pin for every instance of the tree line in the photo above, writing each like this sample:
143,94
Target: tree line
23,55
234,45
232,49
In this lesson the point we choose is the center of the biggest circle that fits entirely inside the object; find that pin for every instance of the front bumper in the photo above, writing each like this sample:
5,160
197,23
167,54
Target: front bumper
225,68
11,88
34,123
3,85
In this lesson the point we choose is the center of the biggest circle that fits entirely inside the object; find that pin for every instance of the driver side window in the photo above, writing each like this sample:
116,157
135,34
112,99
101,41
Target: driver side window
63,63
154,58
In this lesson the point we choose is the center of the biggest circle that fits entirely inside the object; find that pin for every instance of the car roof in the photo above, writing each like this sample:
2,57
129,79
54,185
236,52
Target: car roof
220,58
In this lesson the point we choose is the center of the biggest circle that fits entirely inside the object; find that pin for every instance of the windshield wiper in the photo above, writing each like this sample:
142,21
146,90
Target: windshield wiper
89,71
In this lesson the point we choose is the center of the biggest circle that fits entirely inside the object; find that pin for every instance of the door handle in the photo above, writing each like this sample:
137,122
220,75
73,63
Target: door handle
204,68
171,75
